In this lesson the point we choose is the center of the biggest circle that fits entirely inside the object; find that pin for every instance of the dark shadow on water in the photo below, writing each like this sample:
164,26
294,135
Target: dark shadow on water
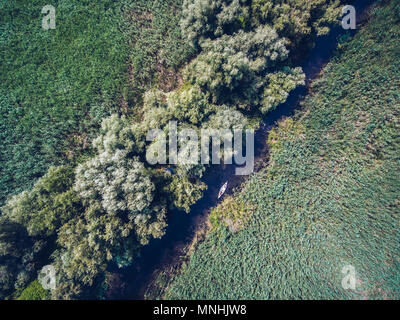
181,226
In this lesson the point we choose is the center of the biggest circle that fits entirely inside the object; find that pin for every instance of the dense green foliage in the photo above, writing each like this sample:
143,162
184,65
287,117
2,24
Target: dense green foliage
56,88
120,58
48,205
55,84
240,69
330,195
158,49
58,85
297,20
232,68
18,256
34,291
29,222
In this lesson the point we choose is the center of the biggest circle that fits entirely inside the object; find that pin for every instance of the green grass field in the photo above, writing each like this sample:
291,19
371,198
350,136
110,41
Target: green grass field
329,196
56,86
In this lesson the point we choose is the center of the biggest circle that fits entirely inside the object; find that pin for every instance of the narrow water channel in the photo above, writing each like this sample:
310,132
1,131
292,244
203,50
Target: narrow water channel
182,226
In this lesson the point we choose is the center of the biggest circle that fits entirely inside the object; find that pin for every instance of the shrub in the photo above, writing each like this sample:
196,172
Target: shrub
296,19
116,182
118,134
18,256
232,214
232,68
49,204
34,291
203,19
189,105
185,192
280,84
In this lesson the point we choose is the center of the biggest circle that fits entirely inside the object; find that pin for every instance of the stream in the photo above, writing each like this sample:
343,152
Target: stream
181,226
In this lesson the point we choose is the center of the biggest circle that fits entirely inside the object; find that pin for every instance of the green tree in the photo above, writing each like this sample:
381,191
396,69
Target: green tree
280,84
190,104
296,19
49,204
34,291
18,256
232,68
208,19
185,191
118,133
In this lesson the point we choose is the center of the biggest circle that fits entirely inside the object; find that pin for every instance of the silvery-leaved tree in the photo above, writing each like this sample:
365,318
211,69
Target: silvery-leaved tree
233,69
297,20
117,133
122,187
209,19
121,212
